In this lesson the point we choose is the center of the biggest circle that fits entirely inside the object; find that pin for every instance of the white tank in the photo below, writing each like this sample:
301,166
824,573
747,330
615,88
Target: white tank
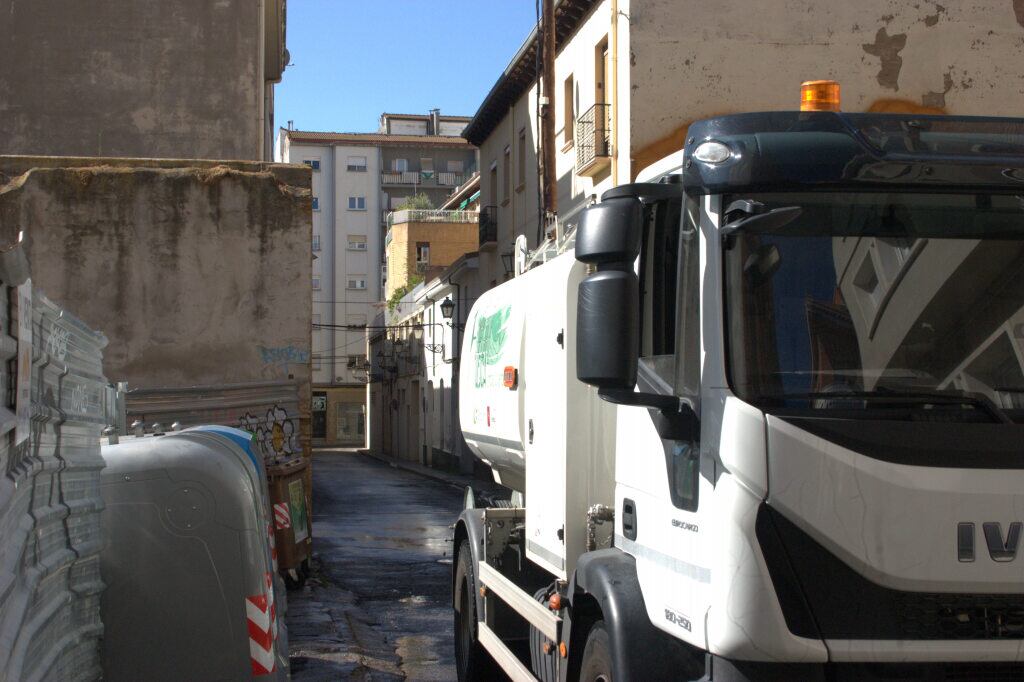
525,414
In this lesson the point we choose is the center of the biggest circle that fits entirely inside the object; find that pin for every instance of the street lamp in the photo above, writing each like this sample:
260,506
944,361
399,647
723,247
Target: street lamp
447,308
506,262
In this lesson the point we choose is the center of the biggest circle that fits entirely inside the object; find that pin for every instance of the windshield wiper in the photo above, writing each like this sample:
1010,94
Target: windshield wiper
754,216
977,400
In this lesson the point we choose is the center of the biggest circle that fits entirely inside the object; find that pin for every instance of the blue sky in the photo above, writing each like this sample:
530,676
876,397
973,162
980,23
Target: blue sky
354,59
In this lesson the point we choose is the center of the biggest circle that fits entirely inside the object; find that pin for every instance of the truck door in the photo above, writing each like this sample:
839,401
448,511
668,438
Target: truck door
659,478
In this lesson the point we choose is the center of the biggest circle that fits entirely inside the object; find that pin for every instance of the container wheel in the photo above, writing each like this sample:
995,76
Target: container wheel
294,579
597,655
472,661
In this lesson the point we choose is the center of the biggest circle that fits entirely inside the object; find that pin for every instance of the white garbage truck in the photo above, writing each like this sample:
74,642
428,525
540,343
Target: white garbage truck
763,417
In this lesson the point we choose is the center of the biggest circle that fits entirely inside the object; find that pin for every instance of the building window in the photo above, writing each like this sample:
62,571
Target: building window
455,166
316,203
522,160
357,164
426,164
312,163
506,173
357,203
422,256
357,242
569,111
316,282
357,284
316,242
399,165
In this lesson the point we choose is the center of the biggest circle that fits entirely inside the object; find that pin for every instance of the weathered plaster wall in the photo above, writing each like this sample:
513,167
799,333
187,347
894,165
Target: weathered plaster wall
690,60
145,78
198,273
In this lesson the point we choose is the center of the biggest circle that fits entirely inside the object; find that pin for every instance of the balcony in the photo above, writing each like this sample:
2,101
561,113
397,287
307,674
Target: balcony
400,178
427,178
431,216
449,179
488,226
593,140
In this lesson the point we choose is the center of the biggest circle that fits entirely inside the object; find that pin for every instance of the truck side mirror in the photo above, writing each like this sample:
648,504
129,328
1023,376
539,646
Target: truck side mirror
608,329
608,311
610,232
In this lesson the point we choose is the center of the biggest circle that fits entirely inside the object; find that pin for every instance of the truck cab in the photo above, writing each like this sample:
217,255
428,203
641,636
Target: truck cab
811,337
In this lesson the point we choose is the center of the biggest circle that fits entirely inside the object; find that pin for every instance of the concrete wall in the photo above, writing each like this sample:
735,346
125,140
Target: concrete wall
691,60
198,273
147,78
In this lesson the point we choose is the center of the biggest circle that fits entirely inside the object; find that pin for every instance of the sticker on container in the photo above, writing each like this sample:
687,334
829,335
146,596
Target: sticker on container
297,506
282,517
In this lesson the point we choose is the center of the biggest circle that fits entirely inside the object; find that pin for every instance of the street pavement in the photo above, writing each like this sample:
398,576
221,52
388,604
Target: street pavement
378,605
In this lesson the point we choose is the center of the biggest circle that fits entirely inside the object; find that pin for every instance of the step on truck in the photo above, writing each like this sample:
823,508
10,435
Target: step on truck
764,416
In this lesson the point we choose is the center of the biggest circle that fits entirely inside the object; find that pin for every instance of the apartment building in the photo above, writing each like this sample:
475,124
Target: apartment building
358,180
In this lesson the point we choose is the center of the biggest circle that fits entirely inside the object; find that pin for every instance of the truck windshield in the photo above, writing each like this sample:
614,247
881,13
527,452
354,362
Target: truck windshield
897,306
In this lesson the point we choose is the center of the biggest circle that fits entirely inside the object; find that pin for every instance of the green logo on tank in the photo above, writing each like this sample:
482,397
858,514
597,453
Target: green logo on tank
489,337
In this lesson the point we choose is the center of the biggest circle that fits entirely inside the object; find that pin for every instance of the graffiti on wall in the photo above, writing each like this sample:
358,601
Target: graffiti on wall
280,357
275,434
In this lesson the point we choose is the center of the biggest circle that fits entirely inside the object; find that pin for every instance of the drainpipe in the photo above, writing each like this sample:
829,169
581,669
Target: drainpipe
614,89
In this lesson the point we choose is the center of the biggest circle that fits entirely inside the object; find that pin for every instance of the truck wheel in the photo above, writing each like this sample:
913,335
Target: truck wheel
597,656
472,662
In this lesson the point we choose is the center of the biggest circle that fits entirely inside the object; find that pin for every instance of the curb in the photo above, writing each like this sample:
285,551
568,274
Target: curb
487,494
397,464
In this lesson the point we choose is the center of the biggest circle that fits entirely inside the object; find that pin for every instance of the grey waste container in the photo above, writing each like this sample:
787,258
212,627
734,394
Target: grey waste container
191,589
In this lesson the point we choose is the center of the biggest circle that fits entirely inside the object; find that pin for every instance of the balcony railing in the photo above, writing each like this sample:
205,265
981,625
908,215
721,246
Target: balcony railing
593,140
426,177
400,178
449,179
431,216
488,226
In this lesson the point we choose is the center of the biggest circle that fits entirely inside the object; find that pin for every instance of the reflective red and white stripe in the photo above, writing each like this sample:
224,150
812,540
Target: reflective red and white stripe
282,517
261,615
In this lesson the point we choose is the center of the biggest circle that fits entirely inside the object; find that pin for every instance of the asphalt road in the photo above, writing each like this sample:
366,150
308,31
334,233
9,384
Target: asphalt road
378,606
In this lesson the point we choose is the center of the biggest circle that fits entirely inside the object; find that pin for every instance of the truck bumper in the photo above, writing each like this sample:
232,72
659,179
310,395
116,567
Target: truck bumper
723,670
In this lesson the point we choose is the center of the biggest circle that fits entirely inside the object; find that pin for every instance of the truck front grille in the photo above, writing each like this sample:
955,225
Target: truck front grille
951,616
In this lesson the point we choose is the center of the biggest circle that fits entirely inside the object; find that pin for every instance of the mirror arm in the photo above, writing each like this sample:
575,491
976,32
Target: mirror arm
666,403
675,420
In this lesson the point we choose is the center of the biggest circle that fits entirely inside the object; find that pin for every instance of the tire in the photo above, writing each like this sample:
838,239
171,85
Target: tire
472,661
597,655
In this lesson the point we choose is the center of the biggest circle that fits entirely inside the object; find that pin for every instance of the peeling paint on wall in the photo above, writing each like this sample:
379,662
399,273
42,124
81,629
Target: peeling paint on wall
932,19
1018,11
887,48
938,99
